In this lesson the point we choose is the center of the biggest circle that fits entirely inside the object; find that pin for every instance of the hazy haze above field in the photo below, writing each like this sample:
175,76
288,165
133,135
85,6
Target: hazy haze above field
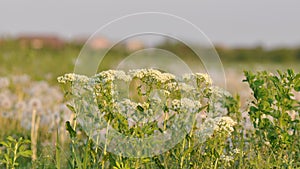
230,22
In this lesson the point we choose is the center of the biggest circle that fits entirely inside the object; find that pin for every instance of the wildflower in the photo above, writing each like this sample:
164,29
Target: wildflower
111,75
176,104
166,77
35,104
155,74
185,87
188,103
185,104
205,78
72,77
216,92
6,103
171,86
224,124
21,105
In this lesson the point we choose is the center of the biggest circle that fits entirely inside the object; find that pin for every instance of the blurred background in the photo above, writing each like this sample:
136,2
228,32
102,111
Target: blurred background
40,40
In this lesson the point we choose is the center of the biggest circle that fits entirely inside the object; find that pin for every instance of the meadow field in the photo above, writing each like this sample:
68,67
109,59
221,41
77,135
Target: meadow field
254,123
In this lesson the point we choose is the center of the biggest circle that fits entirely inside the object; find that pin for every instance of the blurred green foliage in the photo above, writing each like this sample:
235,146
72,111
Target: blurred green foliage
48,62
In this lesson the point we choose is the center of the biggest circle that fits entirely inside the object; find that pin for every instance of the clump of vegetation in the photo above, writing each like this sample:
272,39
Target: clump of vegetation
210,131
13,150
275,116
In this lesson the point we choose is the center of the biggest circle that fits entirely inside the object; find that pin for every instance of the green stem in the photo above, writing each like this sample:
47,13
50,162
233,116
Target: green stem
105,145
216,163
15,155
182,157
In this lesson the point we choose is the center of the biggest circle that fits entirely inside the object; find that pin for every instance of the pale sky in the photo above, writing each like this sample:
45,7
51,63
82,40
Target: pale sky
229,22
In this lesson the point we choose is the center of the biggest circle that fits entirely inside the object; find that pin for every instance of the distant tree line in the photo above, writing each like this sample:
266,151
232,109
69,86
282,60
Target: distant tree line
241,54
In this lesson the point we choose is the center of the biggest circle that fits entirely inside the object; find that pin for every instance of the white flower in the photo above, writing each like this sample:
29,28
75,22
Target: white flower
176,104
187,103
156,74
111,75
166,77
35,104
224,124
72,77
185,87
171,86
204,78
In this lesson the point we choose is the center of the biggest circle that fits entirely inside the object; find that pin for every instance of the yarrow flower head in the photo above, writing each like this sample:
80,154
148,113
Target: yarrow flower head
72,77
155,74
185,104
224,124
111,75
205,78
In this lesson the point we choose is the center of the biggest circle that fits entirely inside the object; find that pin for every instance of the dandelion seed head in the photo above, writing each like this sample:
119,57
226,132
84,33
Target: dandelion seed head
4,82
21,79
21,105
6,103
35,104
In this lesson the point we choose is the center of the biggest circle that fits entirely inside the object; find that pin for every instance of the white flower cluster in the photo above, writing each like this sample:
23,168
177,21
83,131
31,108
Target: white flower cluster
185,104
204,78
72,77
176,104
111,75
200,76
172,86
224,124
176,92
185,87
157,75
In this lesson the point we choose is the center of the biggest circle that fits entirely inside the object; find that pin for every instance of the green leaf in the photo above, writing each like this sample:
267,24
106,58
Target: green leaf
26,141
258,83
140,108
26,153
71,131
290,72
71,108
22,148
11,139
297,83
5,144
